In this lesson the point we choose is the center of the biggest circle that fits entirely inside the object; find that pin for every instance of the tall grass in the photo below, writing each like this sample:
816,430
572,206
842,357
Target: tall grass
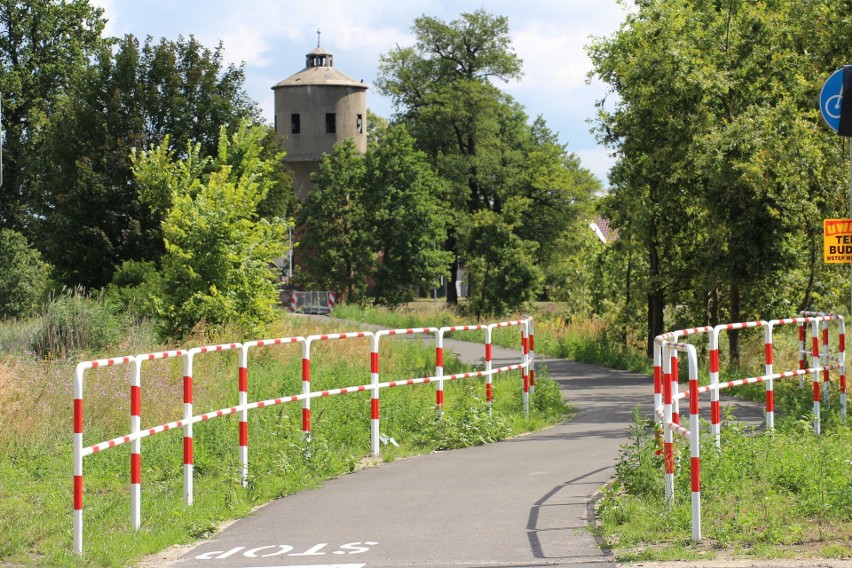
36,437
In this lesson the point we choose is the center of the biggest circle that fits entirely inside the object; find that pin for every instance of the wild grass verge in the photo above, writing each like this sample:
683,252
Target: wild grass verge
763,495
36,437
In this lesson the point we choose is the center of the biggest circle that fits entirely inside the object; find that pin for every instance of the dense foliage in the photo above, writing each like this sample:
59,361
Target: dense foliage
502,171
725,169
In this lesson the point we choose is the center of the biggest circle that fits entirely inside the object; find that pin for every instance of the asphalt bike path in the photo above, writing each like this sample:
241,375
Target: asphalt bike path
523,502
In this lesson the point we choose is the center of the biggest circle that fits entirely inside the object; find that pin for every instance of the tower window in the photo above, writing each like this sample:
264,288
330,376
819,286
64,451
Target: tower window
359,124
295,124
330,123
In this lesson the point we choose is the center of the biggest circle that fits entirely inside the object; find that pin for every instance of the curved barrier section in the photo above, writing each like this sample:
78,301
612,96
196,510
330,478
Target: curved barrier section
666,396
134,438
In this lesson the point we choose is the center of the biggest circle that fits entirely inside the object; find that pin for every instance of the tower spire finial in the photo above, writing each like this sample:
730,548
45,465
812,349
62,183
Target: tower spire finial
318,37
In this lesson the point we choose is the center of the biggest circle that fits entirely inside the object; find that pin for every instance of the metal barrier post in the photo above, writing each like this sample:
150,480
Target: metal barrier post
770,388
306,388
842,357
694,445
78,458
136,445
489,387
187,428
802,366
525,375
242,387
439,373
532,354
825,363
668,446
374,394
715,405
658,377
816,359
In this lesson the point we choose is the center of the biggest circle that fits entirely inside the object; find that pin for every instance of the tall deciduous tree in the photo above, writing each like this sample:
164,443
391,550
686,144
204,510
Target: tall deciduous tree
91,217
480,140
443,91
720,148
407,223
44,44
337,248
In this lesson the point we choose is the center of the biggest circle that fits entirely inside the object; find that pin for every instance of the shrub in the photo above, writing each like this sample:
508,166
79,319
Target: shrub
23,275
73,322
135,287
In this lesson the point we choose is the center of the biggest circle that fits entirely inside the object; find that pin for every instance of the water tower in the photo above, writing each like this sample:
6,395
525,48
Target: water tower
315,109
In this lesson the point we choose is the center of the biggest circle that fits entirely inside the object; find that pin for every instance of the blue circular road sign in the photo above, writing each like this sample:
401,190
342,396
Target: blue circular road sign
830,99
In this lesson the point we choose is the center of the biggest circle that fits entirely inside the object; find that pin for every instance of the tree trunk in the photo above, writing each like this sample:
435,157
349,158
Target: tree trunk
626,323
656,302
734,334
450,245
806,299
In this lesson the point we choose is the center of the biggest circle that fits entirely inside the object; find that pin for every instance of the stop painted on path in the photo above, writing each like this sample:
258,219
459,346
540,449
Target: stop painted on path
240,554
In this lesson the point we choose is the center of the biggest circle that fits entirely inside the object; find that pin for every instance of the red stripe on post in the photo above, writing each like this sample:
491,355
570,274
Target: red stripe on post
374,408
487,352
243,379
306,420
695,474
532,377
815,346
78,415
668,457
532,342
842,346
187,390
658,379
489,392
135,469
135,401
770,401
802,333
767,347
306,370
439,398
439,356
816,391
244,433
714,361
187,450
78,492
374,362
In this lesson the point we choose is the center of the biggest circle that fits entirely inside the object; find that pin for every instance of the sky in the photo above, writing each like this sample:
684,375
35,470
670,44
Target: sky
271,38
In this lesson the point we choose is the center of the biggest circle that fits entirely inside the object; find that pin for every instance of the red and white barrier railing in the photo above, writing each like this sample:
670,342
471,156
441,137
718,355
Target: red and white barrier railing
244,406
666,396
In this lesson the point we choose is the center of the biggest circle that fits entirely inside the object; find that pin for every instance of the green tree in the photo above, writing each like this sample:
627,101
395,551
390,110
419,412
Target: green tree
337,248
722,173
23,275
502,272
91,217
218,249
44,44
442,88
407,223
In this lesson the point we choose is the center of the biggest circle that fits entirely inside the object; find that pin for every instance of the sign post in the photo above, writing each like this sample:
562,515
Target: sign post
836,110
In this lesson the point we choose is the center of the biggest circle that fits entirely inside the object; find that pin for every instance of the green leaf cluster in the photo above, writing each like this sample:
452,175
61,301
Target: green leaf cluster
725,169
216,268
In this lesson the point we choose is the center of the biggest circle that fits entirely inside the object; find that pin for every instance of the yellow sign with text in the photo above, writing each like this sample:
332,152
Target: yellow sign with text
837,241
